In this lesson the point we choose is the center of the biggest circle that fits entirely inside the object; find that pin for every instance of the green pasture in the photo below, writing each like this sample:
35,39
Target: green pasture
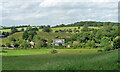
52,35
61,61
9,30
17,35
45,51
72,28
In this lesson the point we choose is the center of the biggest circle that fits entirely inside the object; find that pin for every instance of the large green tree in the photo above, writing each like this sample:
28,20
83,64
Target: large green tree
116,42
47,29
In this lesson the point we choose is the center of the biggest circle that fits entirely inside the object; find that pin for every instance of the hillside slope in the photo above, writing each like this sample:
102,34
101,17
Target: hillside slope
44,35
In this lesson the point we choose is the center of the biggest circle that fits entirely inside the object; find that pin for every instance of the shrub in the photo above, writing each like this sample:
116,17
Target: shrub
16,44
100,51
3,45
54,51
108,48
25,44
60,44
39,44
8,44
56,31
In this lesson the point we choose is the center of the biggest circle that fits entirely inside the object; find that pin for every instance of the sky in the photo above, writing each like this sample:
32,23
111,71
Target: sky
55,12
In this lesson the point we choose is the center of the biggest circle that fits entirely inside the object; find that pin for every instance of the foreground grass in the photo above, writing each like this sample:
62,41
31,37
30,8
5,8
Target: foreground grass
63,61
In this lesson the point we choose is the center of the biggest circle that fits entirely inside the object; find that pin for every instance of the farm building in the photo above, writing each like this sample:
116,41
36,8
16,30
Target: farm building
75,42
12,45
32,44
57,41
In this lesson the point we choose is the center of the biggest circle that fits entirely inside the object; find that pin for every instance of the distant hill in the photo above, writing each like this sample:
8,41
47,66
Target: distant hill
89,23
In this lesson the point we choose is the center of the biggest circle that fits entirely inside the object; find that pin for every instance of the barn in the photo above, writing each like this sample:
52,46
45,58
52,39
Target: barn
57,41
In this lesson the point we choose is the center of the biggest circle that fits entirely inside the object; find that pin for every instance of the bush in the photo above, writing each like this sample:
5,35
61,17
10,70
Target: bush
39,44
107,48
54,51
8,44
16,44
3,45
25,44
60,44
56,31
100,51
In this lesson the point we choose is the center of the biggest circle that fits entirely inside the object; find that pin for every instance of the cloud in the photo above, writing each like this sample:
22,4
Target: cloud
53,3
43,12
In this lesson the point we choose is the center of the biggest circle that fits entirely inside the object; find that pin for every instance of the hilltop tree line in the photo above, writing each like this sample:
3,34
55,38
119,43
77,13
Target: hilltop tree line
89,23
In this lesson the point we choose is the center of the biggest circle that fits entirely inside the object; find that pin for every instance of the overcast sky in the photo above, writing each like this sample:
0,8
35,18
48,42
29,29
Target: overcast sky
54,12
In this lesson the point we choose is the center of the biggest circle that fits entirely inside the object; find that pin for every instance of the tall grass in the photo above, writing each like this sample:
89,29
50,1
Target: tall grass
73,61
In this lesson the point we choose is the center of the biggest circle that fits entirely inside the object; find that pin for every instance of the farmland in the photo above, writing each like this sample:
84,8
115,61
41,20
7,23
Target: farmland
45,51
62,28
44,35
93,47
62,61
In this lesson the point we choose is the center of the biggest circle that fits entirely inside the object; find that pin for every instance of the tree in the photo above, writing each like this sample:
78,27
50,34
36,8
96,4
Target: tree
25,35
14,30
105,41
30,38
70,30
116,43
5,33
25,44
47,29
90,44
79,27
39,44
98,36
29,35
85,28
48,26
56,31
74,29
22,29
8,45
36,38
32,33
34,29
16,44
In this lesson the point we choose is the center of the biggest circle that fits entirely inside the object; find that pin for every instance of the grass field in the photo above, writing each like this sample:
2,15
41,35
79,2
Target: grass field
45,51
61,61
17,35
72,28
58,28
9,30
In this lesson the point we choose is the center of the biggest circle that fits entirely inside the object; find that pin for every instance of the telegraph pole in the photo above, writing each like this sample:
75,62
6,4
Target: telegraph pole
53,44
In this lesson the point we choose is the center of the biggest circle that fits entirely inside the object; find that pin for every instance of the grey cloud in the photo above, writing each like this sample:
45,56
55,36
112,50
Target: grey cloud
30,12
